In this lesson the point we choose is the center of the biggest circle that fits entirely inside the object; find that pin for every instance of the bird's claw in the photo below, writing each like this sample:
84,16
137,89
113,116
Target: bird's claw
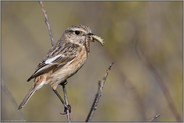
66,108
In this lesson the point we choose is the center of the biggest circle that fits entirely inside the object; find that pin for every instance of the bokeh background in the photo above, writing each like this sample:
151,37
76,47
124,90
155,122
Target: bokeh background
143,39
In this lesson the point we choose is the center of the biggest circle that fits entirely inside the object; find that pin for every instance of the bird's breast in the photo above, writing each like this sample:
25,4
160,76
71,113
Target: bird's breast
80,58
71,67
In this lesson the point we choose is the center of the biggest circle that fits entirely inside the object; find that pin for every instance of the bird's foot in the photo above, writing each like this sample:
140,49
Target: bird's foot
66,108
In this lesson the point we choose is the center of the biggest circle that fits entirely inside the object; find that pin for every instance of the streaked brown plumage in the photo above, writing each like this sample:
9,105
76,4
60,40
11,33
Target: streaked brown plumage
63,60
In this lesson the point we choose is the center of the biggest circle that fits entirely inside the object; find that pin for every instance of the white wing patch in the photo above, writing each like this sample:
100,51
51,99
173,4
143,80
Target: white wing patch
49,61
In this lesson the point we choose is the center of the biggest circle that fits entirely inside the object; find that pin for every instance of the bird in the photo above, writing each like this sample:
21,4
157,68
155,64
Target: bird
63,60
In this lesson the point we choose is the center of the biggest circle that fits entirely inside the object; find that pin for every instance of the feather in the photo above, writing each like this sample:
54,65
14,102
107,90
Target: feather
27,97
56,58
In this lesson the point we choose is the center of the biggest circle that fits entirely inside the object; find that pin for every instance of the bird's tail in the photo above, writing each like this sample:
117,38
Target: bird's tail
27,97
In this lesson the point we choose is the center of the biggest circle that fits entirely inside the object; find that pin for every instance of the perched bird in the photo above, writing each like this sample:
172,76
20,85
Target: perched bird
63,60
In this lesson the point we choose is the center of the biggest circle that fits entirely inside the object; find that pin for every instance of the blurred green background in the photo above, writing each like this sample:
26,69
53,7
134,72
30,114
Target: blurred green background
144,39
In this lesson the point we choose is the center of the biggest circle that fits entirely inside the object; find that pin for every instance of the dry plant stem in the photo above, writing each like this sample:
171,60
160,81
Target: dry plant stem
161,83
128,84
66,103
154,118
47,23
98,95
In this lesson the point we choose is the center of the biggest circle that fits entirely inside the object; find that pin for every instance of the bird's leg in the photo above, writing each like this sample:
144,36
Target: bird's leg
67,109
61,99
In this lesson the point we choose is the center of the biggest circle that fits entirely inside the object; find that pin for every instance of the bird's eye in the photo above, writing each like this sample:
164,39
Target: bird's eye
77,32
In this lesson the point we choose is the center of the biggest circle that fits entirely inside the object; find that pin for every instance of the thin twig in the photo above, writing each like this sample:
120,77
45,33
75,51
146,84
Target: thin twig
65,101
98,94
127,83
154,118
47,22
67,107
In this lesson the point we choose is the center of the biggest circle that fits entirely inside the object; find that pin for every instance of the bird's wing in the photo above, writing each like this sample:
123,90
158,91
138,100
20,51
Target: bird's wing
57,56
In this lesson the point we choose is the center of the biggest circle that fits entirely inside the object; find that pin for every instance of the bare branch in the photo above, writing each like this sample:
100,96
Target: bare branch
154,118
47,22
98,94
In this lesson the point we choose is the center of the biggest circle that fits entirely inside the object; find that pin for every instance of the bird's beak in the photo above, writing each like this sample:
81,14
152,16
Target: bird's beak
96,38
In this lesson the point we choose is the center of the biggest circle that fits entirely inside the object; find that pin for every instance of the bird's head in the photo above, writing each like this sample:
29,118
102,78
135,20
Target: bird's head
80,34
